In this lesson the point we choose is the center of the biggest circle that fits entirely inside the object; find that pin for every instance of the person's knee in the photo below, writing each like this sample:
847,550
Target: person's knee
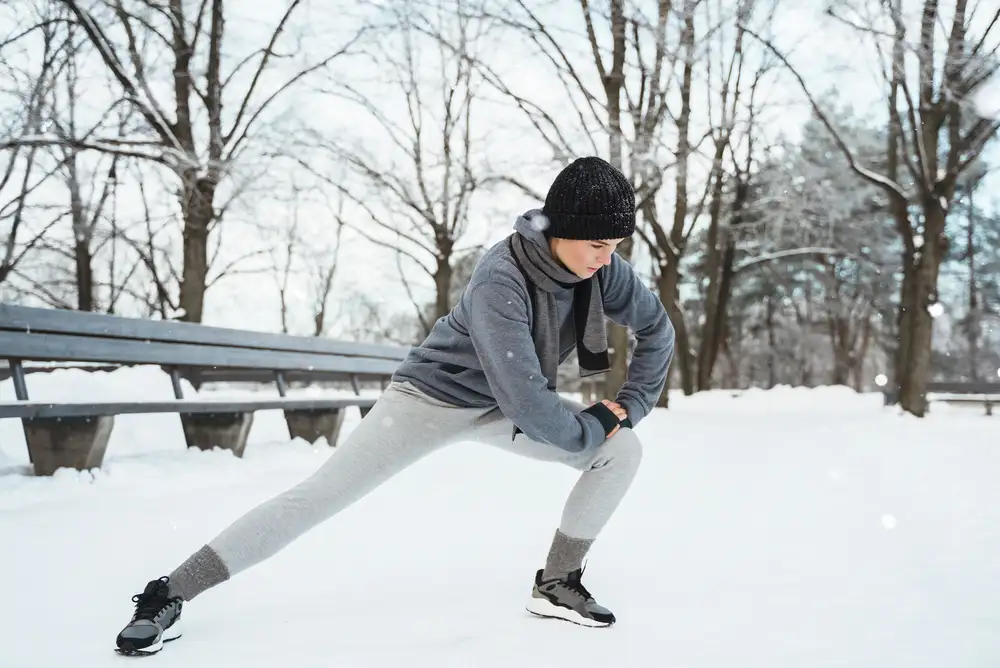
625,448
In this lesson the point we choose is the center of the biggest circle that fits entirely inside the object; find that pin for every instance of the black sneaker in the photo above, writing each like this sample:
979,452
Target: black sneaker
567,598
156,621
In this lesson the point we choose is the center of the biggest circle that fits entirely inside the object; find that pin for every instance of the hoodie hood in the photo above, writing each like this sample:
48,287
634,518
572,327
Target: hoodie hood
532,225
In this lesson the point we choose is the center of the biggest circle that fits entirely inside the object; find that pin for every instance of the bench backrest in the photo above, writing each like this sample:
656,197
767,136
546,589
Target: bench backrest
218,353
964,387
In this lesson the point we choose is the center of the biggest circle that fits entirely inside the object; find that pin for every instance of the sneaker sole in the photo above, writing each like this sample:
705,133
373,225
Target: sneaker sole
541,607
172,633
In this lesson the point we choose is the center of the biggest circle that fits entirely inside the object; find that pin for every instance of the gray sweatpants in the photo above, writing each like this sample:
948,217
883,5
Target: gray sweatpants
402,427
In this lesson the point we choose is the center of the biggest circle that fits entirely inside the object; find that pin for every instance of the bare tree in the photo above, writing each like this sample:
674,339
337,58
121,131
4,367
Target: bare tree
729,82
149,239
635,82
283,259
323,271
423,167
616,82
980,240
303,258
130,36
935,134
718,266
810,262
85,209
23,172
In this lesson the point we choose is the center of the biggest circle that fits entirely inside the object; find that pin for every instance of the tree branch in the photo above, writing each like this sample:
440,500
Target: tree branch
891,187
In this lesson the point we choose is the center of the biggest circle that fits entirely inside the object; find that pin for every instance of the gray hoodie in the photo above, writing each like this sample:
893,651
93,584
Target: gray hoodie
481,354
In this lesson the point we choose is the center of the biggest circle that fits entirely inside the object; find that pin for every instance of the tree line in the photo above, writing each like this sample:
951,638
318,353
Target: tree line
145,141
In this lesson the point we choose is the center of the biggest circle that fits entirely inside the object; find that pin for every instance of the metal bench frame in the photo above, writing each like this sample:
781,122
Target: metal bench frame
979,392
75,434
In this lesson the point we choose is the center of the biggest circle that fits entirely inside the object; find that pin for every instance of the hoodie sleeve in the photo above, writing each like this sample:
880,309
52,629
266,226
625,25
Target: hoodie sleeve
629,303
502,339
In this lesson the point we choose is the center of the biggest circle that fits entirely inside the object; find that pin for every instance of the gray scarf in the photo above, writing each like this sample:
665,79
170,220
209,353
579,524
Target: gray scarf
545,276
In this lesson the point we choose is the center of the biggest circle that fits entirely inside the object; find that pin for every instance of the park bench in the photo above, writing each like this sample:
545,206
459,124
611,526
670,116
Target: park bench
967,392
75,434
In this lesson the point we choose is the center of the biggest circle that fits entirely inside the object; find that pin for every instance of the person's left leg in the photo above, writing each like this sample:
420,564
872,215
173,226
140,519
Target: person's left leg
607,472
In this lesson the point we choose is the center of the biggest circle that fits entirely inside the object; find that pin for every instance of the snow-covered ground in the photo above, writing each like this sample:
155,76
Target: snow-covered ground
784,529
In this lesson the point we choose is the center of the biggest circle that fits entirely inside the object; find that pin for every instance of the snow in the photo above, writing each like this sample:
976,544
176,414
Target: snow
986,98
777,529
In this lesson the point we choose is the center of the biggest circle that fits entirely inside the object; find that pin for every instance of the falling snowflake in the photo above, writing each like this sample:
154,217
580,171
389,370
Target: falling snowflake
881,380
936,309
889,522
987,99
540,222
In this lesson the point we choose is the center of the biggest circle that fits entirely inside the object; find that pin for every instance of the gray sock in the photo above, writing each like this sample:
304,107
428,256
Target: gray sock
202,570
565,555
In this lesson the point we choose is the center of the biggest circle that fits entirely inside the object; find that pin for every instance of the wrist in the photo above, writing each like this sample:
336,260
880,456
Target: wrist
609,421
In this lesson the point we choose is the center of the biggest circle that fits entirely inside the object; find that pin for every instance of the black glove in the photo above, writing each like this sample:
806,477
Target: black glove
608,419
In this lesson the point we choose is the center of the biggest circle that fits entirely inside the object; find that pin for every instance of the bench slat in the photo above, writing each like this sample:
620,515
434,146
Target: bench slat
960,387
27,319
64,348
39,409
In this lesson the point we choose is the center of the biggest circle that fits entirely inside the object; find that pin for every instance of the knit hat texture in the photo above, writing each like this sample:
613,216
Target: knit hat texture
590,199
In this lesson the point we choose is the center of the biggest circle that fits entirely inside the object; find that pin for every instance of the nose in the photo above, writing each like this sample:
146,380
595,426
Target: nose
606,258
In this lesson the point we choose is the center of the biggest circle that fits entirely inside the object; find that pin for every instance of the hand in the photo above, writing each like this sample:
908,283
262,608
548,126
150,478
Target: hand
619,412
616,408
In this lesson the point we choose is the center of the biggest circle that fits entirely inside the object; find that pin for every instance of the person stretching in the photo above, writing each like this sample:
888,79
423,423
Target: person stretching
486,372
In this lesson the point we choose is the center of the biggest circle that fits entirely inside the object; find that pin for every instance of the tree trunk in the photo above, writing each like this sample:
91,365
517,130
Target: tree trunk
917,325
84,276
771,353
974,326
858,366
913,359
669,295
670,245
713,331
613,80
442,284
81,241
840,344
732,351
720,271
197,195
713,269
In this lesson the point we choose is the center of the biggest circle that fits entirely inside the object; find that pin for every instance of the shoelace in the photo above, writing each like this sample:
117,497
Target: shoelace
149,603
574,583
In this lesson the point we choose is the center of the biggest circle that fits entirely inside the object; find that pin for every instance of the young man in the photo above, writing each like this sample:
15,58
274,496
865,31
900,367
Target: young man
487,372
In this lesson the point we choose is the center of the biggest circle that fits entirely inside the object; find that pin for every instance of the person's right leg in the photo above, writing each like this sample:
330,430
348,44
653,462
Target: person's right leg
606,474
401,428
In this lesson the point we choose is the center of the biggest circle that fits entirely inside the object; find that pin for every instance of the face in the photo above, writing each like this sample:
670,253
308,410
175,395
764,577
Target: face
583,258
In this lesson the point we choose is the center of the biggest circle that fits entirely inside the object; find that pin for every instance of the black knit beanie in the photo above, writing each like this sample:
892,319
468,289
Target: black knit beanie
590,199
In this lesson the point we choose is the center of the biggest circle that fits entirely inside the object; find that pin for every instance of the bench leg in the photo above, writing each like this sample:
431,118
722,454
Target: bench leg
223,430
74,442
311,424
